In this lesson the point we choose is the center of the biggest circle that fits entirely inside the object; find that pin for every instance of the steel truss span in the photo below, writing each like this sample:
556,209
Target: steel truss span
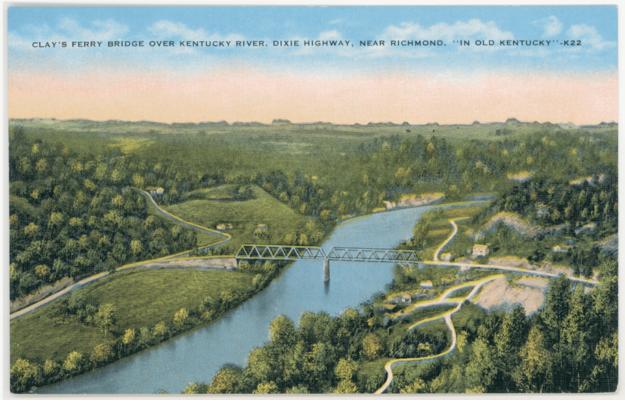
277,252
280,252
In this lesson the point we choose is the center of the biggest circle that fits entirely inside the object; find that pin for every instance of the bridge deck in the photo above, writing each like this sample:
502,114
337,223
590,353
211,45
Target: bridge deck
361,254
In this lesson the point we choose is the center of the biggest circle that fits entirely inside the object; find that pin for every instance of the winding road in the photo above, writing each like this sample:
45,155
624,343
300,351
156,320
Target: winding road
444,299
146,263
225,237
454,230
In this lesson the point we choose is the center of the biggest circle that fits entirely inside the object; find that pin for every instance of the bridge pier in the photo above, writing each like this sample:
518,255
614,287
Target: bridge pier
326,269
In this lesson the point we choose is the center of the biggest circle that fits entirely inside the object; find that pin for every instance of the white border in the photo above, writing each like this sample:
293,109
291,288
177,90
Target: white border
4,202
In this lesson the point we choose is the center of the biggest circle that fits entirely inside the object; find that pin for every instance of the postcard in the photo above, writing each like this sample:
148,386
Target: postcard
289,199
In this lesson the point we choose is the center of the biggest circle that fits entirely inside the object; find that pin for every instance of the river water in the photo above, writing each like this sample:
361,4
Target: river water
196,356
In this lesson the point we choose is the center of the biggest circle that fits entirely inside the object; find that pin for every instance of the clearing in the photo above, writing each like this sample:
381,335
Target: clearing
244,216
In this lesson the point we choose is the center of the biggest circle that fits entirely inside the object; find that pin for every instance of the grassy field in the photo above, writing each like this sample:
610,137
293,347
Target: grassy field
141,298
244,216
440,229
203,239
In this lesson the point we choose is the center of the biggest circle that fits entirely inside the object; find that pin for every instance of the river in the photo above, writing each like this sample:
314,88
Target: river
197,355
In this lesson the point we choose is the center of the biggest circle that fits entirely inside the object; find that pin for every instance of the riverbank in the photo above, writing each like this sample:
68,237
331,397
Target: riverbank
67,338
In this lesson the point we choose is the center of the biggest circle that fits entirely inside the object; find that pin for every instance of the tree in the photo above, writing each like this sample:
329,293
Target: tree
371,346
42,271
298,389
136,247
50,368
266,387
24,374
73,362
556,309
604,375
533,373
508,342
282,332
160,330
318,366
480,370
577,340
195,388
105,318
346,386
345,369
262,364
417,386
180,317
128,338
101,353
226,380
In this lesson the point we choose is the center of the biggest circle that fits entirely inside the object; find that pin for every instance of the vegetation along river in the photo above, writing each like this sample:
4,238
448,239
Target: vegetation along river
197,355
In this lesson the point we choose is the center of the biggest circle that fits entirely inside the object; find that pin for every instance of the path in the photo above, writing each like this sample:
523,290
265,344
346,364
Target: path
442,299
499,267
146,263
454,230
225,237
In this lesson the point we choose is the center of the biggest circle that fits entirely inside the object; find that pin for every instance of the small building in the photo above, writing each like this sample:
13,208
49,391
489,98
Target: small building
405,299
223,227
401,299
447,257
426,285
560,248
156,191
480,250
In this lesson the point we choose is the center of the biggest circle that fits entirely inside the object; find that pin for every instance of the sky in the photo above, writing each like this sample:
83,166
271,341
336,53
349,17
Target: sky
344,84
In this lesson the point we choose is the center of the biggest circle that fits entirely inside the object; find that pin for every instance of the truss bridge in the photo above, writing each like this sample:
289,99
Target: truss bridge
352,254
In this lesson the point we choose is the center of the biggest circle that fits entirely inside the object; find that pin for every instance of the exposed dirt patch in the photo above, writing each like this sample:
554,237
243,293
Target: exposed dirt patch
533,281
499,294
511,220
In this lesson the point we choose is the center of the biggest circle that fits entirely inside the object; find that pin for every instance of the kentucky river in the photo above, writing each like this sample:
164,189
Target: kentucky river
197,355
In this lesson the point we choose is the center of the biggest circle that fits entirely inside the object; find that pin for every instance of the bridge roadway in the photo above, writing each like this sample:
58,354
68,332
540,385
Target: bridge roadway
358,254
291,253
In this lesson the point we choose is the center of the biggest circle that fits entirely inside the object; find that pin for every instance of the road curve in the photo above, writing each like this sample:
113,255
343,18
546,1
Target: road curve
442,299
225,237
499,267
454,230
92,278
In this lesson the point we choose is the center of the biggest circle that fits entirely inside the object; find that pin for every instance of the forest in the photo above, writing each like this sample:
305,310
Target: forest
75,210
72,210
570,345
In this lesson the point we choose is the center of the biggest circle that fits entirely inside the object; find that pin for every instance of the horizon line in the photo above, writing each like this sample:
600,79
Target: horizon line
286,121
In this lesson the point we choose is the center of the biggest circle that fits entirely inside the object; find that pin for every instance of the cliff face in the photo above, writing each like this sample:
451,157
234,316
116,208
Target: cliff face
511,220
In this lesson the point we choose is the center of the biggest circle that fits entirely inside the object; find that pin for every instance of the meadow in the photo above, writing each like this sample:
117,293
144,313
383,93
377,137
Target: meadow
245,215
141,298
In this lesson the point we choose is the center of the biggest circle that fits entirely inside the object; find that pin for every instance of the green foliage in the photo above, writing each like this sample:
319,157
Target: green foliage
560,349
24,374
74,215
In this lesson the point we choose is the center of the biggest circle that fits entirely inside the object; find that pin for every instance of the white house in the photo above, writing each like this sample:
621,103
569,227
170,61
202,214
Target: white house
480,250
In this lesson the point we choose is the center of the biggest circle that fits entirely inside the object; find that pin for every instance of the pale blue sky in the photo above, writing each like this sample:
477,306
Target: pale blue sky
596,26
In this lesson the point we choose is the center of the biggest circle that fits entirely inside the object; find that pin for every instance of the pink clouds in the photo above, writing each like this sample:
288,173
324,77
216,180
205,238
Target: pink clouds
246,94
